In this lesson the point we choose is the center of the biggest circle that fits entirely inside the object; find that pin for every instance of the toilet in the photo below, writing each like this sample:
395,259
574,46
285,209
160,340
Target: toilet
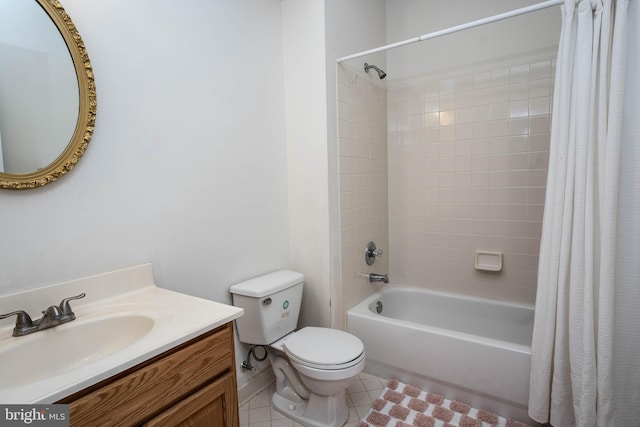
313,366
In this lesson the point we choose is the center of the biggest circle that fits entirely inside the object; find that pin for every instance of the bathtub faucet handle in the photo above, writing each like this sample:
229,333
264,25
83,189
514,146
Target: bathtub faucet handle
371,252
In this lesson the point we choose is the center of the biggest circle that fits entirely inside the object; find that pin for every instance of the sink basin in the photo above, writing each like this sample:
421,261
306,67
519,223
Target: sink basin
66,347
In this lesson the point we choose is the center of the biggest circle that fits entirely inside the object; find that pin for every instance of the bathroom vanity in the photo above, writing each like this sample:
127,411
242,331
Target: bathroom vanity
135,355
193,384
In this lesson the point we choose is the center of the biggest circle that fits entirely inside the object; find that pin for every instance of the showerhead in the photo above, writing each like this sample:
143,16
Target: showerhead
381,73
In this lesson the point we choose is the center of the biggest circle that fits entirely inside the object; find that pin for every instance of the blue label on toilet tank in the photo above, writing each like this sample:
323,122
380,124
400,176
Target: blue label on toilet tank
285,305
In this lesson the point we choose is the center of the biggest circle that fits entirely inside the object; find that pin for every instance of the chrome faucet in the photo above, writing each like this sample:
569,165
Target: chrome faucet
52,316
373,277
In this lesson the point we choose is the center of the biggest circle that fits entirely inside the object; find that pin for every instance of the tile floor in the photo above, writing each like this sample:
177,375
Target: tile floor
257,412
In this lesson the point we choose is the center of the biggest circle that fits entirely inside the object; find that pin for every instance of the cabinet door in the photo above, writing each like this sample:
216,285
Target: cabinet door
151,389
213,406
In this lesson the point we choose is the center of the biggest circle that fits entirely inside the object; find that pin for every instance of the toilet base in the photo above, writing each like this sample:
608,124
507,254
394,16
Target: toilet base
318,411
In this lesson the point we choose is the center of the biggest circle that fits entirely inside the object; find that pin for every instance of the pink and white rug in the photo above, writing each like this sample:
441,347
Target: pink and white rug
402,405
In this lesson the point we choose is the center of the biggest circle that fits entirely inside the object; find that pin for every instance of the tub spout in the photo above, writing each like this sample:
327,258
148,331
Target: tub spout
373,277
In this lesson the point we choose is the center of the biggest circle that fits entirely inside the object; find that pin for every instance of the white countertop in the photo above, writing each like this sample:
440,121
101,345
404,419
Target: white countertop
177,318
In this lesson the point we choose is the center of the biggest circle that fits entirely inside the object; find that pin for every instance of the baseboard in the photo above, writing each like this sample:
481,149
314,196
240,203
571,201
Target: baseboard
258,383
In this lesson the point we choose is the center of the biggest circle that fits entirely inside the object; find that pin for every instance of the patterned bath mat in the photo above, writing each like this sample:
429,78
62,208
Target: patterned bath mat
402,405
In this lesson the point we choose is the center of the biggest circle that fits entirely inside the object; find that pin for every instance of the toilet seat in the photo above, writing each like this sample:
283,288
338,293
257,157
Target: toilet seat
324,349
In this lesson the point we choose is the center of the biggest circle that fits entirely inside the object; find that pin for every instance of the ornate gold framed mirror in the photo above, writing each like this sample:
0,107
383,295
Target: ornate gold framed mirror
46,121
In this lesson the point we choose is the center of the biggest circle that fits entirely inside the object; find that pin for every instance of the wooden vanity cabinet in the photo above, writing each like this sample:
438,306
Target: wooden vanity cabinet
193,384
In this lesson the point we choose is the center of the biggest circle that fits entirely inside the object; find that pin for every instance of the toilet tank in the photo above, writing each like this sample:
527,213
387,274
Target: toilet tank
271,306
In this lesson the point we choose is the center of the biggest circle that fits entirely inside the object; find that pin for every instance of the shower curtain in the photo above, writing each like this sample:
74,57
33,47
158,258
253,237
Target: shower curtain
585,366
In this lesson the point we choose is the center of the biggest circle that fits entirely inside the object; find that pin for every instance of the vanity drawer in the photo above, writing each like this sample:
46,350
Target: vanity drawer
146,390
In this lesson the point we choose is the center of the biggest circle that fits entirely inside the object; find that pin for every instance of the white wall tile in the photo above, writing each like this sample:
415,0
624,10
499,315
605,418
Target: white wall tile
540,70
481,80
365,171
466,162
499,77
540,87
519,91
519,73
539,106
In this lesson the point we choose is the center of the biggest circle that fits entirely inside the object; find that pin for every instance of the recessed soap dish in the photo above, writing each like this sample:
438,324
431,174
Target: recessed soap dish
488,261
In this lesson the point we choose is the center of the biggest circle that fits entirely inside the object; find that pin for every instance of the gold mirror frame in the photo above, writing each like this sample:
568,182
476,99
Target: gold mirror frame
86,113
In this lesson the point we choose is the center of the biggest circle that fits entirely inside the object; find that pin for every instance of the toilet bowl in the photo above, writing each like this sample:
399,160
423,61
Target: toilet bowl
323,355
324,363
313,366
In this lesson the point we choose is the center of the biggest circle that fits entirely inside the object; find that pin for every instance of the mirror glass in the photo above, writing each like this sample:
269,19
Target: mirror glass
47,96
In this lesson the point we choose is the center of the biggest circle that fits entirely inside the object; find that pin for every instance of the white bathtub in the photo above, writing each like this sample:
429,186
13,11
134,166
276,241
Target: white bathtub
469,349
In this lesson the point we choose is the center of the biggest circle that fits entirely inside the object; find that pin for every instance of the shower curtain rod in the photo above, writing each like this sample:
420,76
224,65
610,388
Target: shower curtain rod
457,28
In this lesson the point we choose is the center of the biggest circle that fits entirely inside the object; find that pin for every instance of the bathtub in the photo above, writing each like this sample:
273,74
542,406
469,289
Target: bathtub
474,350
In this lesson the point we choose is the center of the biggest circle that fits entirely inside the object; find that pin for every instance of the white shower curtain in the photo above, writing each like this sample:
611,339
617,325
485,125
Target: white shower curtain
585,366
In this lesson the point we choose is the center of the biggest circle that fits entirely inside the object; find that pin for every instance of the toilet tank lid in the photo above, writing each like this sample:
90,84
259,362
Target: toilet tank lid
267,284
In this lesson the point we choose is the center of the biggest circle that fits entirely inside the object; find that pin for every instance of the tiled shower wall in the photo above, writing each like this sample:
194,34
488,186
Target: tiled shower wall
362,132
439,167
468,157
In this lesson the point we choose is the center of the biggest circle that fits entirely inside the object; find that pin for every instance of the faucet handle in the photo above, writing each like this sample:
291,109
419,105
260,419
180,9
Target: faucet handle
371,252
66,308
52,312
23,320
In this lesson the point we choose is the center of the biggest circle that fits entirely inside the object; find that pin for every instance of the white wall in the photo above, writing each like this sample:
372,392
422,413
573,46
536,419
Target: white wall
306,117
187,167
